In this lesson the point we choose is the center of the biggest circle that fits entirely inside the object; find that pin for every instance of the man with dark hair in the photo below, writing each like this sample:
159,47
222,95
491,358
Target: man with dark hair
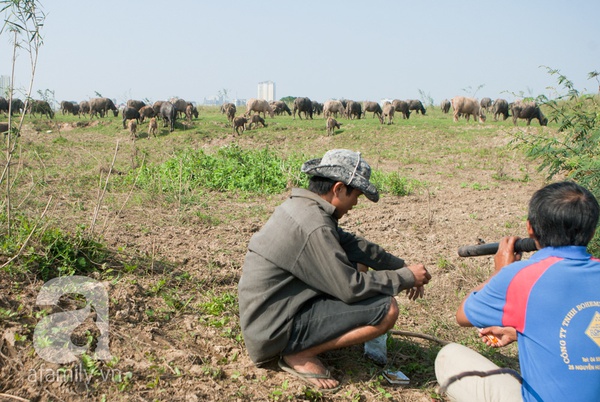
301,293
550,304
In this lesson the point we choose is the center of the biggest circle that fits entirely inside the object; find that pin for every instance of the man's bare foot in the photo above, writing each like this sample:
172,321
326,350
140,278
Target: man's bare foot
311,365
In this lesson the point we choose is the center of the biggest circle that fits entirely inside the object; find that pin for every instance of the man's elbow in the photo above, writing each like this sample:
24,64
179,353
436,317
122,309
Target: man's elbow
462,319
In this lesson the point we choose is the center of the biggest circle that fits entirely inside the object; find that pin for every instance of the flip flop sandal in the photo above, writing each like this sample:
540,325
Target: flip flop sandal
307,376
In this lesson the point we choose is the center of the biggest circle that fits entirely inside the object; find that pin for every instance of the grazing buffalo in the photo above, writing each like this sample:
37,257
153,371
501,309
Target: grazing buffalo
84,107
256,120
146,111
259,106
229,109
333,107
500,107
467,107
152,127
42,107
132,124
17,106
305,105
331,125
101,106
239,122
280,107
388,112
4,128
130,113
168,114
372,107
486,104
3,105
417,106
136,104
527,111
445,106
191,111
317,108
156,106
180,106
67,107
402,107
353,109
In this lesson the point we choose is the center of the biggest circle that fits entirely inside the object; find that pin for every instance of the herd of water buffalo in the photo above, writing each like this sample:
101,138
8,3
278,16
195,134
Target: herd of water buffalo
135,112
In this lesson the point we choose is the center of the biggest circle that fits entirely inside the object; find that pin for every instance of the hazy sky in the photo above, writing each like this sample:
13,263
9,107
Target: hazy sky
361,50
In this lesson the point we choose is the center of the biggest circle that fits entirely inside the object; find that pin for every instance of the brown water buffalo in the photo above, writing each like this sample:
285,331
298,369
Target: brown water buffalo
302,104
467,107
333,107
402,107
259,106
229,109
147,112
239,122
417,106
500,107
445,106
180,106
156,106
256,120
152,127
388,113
132,124
331,125
353,109
527,111
101,106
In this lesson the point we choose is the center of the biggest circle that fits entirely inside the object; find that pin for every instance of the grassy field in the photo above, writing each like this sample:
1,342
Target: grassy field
164,223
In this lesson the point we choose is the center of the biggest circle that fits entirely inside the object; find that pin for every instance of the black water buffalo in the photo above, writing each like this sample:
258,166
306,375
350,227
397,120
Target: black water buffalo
527,111
180,106
136,104
280,107
101,106
373,107
168,114
305,105
84,107
445,106
68,107
42,107
353,109
500,107
3,105
402,107
486,104
317,107
130,113
417,106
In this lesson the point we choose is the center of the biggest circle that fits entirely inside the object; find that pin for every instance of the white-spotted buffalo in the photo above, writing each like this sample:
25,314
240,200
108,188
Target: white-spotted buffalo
467,107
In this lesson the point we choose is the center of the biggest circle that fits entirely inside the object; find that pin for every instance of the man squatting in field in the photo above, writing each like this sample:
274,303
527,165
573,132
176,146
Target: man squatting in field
301,294
550,304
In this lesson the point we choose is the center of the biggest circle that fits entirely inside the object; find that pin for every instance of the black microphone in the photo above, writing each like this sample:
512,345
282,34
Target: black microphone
521,245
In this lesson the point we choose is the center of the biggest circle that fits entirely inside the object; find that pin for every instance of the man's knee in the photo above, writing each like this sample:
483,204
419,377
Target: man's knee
392,315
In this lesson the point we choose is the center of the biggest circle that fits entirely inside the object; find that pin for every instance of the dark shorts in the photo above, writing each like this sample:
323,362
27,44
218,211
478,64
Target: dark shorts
324,319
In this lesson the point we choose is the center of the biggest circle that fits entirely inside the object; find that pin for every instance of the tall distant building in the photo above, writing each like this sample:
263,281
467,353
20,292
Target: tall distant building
266,90
4,84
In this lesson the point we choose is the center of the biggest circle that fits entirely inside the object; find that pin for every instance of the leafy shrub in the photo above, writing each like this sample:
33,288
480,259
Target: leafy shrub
231,169
573,150
50,252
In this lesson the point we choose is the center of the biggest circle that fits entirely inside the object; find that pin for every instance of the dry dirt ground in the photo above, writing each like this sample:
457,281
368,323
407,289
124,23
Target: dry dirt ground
173,325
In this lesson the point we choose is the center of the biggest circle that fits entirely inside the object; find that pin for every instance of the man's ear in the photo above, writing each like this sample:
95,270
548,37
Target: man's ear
337,187
532,234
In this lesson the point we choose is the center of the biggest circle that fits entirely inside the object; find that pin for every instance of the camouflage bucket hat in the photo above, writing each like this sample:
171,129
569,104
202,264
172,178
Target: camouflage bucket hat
345,166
